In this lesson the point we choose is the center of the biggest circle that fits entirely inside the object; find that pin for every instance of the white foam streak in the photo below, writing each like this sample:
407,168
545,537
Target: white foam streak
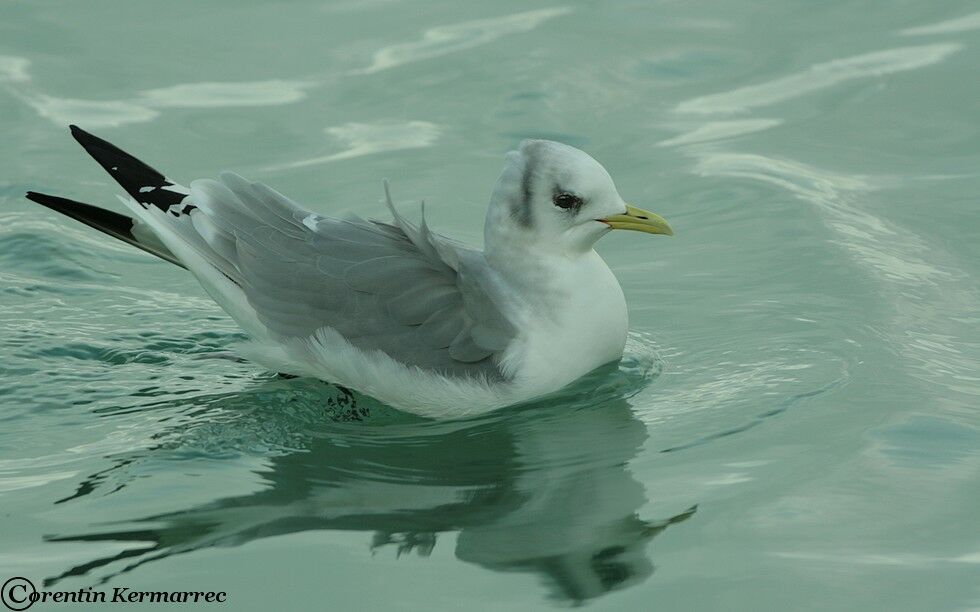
368,138
220,95
819,76
147,103
958,24
718,130
91,113
14,483
887,559
14,69
443,40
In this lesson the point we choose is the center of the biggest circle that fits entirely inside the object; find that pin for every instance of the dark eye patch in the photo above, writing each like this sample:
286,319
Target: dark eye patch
566,201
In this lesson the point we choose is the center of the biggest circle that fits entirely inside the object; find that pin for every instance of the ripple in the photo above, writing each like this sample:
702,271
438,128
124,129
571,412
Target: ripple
926,289
519,499
640,366
45,256
105,354
869,237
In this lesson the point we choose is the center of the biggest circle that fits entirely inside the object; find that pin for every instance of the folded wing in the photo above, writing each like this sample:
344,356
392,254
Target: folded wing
392,287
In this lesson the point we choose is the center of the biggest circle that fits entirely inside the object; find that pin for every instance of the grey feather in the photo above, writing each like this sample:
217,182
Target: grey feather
393,287
441,327
413,307
521,206
463,348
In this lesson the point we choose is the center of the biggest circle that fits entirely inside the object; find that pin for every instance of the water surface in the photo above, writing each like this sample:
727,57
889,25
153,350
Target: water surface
794,425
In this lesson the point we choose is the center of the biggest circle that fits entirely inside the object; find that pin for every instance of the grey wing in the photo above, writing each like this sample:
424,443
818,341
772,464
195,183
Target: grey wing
392,287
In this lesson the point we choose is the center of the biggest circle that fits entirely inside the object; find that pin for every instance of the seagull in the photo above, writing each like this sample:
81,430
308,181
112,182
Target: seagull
393,310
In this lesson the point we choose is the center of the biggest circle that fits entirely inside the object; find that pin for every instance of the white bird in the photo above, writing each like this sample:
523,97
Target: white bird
393,310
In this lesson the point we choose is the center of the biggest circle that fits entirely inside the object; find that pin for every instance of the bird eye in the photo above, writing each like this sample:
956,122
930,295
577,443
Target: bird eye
566,200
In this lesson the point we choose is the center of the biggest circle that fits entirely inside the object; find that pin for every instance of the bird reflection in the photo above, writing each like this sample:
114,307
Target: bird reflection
543,490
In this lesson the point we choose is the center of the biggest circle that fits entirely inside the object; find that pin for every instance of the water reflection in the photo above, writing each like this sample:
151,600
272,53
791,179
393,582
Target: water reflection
543,490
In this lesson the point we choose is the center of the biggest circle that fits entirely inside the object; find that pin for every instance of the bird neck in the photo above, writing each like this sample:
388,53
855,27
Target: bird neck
516,251
536,267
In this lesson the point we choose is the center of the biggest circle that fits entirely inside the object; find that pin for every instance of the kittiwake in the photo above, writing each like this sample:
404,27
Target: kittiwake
391,309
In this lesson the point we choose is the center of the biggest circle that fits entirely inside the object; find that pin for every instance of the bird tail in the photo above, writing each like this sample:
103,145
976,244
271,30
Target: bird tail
144,184
166,224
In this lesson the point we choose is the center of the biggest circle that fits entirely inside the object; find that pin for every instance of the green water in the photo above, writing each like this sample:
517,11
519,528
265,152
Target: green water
795,423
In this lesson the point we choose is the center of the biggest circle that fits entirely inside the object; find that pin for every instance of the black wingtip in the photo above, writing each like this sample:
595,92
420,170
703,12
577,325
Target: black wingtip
139,180
41,198
80,135
106,221
95,146
99,218
84,138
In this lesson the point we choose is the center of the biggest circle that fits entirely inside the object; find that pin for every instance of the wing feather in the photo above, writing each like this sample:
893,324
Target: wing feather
394,287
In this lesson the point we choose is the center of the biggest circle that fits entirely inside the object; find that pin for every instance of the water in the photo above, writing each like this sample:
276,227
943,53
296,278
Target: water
795,423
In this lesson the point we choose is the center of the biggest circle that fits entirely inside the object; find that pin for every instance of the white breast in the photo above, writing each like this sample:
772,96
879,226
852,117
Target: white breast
574,322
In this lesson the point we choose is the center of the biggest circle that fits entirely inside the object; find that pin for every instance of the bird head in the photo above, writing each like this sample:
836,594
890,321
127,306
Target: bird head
560,199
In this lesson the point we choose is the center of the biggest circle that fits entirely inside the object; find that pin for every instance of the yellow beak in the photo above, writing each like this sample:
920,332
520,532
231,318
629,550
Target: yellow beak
639,220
